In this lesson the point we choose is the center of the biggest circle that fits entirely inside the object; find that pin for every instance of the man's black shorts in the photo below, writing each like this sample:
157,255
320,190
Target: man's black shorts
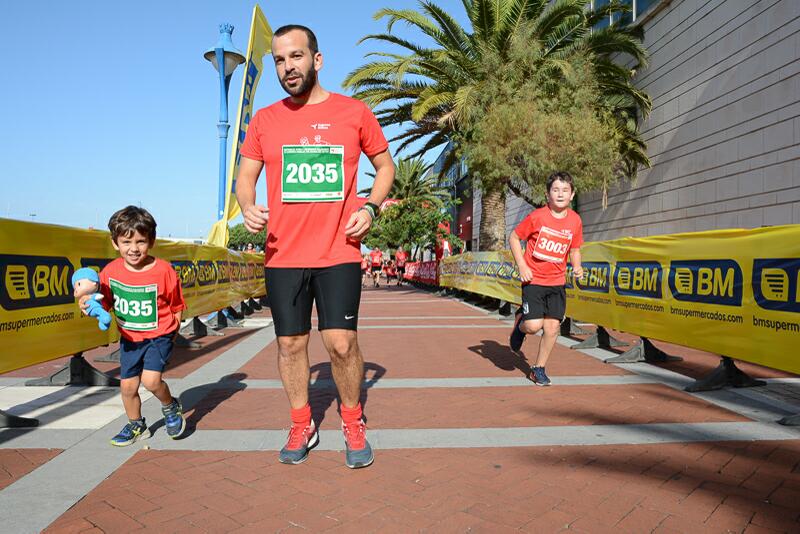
377,268
292,292
401,271
543,301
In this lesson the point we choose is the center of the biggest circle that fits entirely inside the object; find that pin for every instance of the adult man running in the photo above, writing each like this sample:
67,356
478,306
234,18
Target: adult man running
310,144
376,259
401,256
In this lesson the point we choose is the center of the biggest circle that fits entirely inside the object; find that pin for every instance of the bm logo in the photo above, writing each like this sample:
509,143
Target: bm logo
595,278
776,284
638,279
706,281
34,281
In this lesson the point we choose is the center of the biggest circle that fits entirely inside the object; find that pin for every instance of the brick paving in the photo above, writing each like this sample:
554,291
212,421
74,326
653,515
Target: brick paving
750,485
16,463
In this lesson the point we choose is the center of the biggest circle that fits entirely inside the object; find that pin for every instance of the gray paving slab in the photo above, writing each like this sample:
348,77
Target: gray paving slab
437,438
393,383
41,438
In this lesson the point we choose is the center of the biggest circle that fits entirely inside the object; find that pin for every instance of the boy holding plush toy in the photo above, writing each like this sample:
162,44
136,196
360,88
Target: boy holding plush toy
147,303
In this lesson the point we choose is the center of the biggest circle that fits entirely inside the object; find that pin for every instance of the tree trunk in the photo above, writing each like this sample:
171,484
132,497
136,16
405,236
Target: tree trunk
493,221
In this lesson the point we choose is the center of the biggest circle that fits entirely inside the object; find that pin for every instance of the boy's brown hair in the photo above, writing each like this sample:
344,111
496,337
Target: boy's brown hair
564,176
132,219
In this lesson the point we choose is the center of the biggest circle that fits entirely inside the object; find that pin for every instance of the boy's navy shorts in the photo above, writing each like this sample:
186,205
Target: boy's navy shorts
151,354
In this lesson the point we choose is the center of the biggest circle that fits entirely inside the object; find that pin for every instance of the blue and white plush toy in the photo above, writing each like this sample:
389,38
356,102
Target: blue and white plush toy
85,281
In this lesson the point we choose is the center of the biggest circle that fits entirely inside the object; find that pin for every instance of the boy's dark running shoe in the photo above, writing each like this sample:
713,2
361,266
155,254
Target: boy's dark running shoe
539,377
301,440
517,335
130,433
173,419
359,453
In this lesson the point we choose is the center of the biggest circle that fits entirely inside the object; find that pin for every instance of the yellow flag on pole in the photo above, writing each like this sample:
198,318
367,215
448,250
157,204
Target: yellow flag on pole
259,45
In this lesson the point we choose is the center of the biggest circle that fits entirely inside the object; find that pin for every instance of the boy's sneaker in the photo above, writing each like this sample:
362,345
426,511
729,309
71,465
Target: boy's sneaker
130,433
517,335
301,440
173,419
539,377
359,453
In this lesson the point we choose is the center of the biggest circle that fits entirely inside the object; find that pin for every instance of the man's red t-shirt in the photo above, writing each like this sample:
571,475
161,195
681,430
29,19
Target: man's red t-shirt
549,240
144,302
401,256
311,155
376,258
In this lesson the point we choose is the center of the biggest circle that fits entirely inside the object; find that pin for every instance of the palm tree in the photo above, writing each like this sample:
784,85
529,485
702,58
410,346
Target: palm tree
437,89
413,181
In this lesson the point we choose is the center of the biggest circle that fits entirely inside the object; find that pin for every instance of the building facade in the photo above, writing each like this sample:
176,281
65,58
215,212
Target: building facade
724,132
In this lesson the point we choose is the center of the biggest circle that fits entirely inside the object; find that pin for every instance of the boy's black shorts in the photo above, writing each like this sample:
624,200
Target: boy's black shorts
376,268
336,290
543,301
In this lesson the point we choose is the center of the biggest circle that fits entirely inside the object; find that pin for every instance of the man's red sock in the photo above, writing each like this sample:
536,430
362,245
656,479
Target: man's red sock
350,415
301,416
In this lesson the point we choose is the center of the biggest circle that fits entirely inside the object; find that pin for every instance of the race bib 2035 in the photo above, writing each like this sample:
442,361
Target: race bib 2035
312,173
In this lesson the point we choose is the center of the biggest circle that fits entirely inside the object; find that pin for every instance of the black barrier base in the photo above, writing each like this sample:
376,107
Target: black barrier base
570,329
77,373
505,308
790,420
254,304
234,313
600,339
14,421
264,301
725,375
184,343
198,328
109,358
246,309
644,351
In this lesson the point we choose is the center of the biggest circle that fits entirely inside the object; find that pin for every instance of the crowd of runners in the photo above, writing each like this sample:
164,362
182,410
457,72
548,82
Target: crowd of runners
309,146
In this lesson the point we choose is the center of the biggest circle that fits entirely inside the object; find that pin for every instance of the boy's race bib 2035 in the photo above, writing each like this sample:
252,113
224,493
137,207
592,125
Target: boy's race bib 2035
135,306
312,173
552,245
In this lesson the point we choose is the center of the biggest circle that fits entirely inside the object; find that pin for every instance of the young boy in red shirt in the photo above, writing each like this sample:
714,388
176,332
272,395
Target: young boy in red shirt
148,303
552,233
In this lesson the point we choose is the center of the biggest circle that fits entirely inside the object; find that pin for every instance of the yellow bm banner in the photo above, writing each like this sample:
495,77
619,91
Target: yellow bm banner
731,292
39,319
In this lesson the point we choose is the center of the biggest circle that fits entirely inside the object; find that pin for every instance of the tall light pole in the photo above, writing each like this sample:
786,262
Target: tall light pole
224,55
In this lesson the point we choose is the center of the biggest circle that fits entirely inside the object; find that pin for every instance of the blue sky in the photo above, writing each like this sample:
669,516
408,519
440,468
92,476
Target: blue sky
106,104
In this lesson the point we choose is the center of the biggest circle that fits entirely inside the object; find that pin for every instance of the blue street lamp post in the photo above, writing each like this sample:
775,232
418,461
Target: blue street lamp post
226,56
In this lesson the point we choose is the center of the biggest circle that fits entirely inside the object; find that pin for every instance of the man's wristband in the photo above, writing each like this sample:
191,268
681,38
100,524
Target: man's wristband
370,208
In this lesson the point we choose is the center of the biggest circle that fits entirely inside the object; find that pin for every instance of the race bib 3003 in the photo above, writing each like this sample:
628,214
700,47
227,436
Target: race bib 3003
135,306
552,245
312,173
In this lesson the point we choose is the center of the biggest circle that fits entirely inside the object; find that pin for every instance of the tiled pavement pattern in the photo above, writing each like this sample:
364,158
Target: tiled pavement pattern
463,443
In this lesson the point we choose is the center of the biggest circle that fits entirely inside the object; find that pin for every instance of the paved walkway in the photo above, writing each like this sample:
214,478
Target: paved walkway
464,442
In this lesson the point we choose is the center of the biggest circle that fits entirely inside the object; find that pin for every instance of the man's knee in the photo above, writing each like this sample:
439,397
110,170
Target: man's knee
341,346
291,346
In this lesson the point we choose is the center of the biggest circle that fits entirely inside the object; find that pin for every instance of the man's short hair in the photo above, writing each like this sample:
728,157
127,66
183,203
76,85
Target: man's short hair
312,39
132,219
564,176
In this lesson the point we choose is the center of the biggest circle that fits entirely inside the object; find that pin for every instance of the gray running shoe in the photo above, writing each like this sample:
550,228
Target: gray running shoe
301,440
359,453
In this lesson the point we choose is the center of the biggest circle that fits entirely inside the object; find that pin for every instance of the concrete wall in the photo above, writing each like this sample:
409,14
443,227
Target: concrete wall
724,133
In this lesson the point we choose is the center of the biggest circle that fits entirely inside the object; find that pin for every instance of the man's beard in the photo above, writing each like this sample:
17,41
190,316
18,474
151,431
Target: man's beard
308,80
